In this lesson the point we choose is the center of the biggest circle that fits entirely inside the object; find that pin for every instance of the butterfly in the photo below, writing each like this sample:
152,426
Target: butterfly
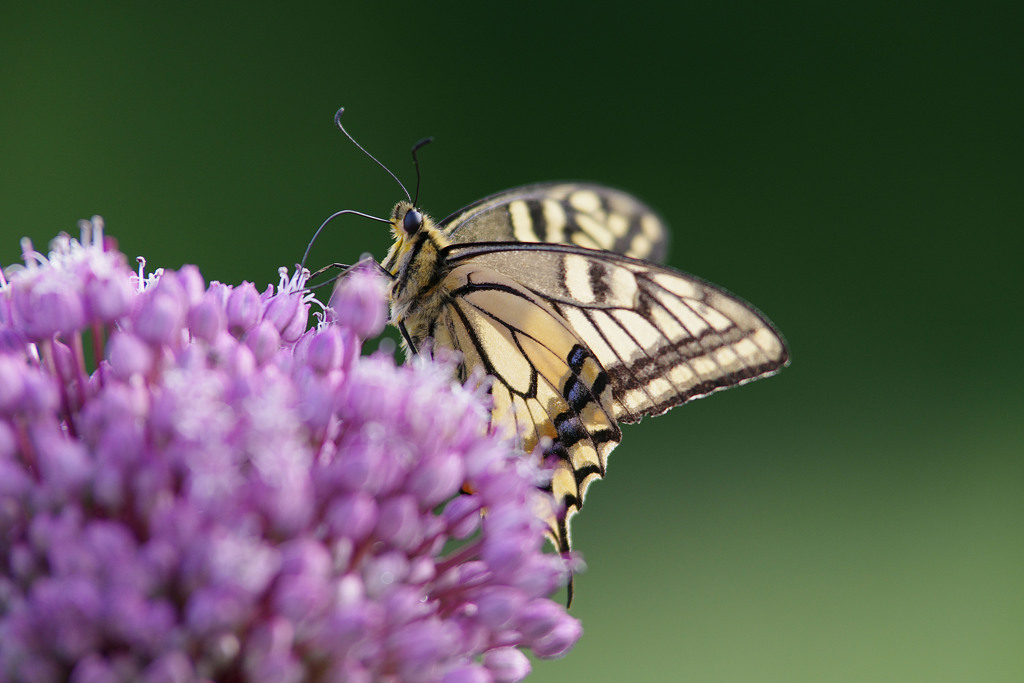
556,291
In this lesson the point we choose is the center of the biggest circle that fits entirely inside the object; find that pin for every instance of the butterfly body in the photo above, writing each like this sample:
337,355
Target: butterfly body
551,289
418,269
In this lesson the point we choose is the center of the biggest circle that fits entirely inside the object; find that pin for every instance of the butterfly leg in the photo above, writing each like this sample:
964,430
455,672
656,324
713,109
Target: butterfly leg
407,337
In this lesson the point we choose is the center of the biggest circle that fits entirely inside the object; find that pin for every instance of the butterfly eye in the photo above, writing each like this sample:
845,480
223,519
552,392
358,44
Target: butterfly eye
412,222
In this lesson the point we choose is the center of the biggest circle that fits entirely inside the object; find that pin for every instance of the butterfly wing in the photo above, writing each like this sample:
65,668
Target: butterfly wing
547,383
579,339
580,214
664,337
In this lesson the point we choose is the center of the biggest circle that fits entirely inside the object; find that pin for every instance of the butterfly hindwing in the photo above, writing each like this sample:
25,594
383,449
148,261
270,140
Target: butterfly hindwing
580,214
547,383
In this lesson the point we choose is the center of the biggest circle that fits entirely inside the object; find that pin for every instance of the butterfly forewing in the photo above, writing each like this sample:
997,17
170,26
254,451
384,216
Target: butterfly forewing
580,214
662,336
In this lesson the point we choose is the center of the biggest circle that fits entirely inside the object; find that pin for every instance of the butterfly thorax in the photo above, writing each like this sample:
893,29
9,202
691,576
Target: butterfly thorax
415,260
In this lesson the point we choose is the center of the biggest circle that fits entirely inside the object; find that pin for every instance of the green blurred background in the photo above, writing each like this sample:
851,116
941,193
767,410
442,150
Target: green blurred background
854,169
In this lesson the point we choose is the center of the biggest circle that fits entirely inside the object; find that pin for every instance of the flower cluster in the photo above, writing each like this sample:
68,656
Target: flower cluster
193,485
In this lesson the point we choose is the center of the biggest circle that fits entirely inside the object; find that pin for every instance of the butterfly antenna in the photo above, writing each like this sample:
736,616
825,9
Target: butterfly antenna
416,163
335,215
337,122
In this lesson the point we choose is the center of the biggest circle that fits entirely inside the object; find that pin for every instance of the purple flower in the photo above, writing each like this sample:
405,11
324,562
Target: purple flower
219,493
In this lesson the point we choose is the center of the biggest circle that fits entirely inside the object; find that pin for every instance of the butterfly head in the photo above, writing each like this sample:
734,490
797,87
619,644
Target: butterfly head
406,220
410,226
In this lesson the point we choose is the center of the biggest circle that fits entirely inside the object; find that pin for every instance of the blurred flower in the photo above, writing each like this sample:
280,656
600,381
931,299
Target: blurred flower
219,493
